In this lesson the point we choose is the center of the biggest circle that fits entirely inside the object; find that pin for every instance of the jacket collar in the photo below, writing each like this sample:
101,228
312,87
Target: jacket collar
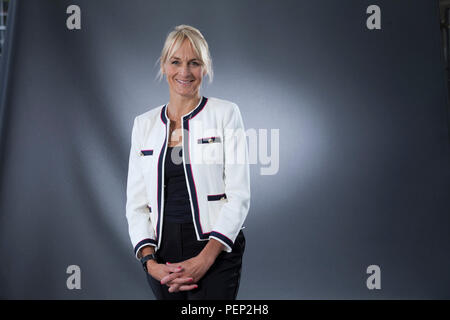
187,116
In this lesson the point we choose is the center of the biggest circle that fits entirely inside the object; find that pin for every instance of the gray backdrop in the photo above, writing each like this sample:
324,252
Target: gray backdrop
364,143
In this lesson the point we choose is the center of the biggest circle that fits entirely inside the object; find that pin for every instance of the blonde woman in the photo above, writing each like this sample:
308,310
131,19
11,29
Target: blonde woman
188,187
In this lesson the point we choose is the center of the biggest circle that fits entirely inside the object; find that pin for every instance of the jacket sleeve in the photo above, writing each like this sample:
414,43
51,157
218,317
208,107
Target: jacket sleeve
137,211
237,181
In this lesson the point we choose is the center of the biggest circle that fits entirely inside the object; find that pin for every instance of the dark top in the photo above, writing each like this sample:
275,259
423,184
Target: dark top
177,207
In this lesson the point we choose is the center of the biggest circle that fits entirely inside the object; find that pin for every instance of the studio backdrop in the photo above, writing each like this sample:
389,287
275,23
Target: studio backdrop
347,103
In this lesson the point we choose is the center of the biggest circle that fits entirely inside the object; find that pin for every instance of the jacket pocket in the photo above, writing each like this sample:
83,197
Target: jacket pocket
215,204
146,160
211,149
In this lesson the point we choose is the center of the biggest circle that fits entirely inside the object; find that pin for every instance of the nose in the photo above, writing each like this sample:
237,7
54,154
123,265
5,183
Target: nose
184,70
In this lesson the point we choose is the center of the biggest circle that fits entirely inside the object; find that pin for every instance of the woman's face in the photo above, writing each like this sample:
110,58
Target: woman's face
184,71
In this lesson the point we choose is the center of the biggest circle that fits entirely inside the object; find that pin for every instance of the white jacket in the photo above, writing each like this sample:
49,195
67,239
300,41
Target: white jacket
215,160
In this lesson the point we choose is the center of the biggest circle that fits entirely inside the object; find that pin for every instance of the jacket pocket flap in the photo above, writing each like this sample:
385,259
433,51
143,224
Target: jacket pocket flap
215,197
209,140
147,152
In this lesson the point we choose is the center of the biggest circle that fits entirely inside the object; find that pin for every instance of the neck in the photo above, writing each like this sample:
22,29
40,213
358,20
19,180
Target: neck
180,105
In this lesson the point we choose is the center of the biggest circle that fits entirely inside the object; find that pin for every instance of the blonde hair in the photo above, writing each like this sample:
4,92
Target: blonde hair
174,40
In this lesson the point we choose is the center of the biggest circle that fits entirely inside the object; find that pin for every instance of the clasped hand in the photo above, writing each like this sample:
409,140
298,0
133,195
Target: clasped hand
181,276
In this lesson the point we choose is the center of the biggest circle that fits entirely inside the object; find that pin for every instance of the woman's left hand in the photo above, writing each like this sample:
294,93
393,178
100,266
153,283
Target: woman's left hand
194,268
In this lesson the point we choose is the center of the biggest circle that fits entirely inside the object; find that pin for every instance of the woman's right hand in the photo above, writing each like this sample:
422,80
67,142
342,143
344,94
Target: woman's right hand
160,270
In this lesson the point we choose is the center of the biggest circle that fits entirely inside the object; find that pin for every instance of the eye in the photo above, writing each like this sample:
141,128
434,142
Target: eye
195,63
174,62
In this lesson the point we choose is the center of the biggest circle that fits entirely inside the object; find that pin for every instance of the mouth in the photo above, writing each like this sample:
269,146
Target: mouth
184,82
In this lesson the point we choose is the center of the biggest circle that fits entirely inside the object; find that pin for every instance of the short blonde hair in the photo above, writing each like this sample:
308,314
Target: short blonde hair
174,40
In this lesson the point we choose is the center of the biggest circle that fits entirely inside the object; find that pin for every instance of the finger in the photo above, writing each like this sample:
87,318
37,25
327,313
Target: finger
174,288
172,268
174,265
170,277
182,280
187,287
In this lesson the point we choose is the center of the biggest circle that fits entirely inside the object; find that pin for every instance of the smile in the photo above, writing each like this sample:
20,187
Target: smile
185,83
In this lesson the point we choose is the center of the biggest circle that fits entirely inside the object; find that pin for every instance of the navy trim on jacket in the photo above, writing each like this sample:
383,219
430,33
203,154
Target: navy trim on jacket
142,242
190,178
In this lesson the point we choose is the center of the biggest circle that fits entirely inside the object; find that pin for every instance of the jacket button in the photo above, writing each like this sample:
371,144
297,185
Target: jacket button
223,198
210,140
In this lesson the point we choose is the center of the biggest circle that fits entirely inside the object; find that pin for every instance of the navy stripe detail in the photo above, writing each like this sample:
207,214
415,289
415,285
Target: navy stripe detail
196,110
214,197
209,140
190,177
142,242
192,114
192,184
160,177
147,152
163,114
222,237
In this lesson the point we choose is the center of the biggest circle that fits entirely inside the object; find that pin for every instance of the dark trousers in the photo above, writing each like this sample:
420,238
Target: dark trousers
220,282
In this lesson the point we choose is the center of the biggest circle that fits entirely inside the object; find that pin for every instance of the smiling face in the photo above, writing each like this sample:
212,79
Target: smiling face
184,71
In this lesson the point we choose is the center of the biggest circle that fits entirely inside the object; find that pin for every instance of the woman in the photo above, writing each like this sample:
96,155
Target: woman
188,188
